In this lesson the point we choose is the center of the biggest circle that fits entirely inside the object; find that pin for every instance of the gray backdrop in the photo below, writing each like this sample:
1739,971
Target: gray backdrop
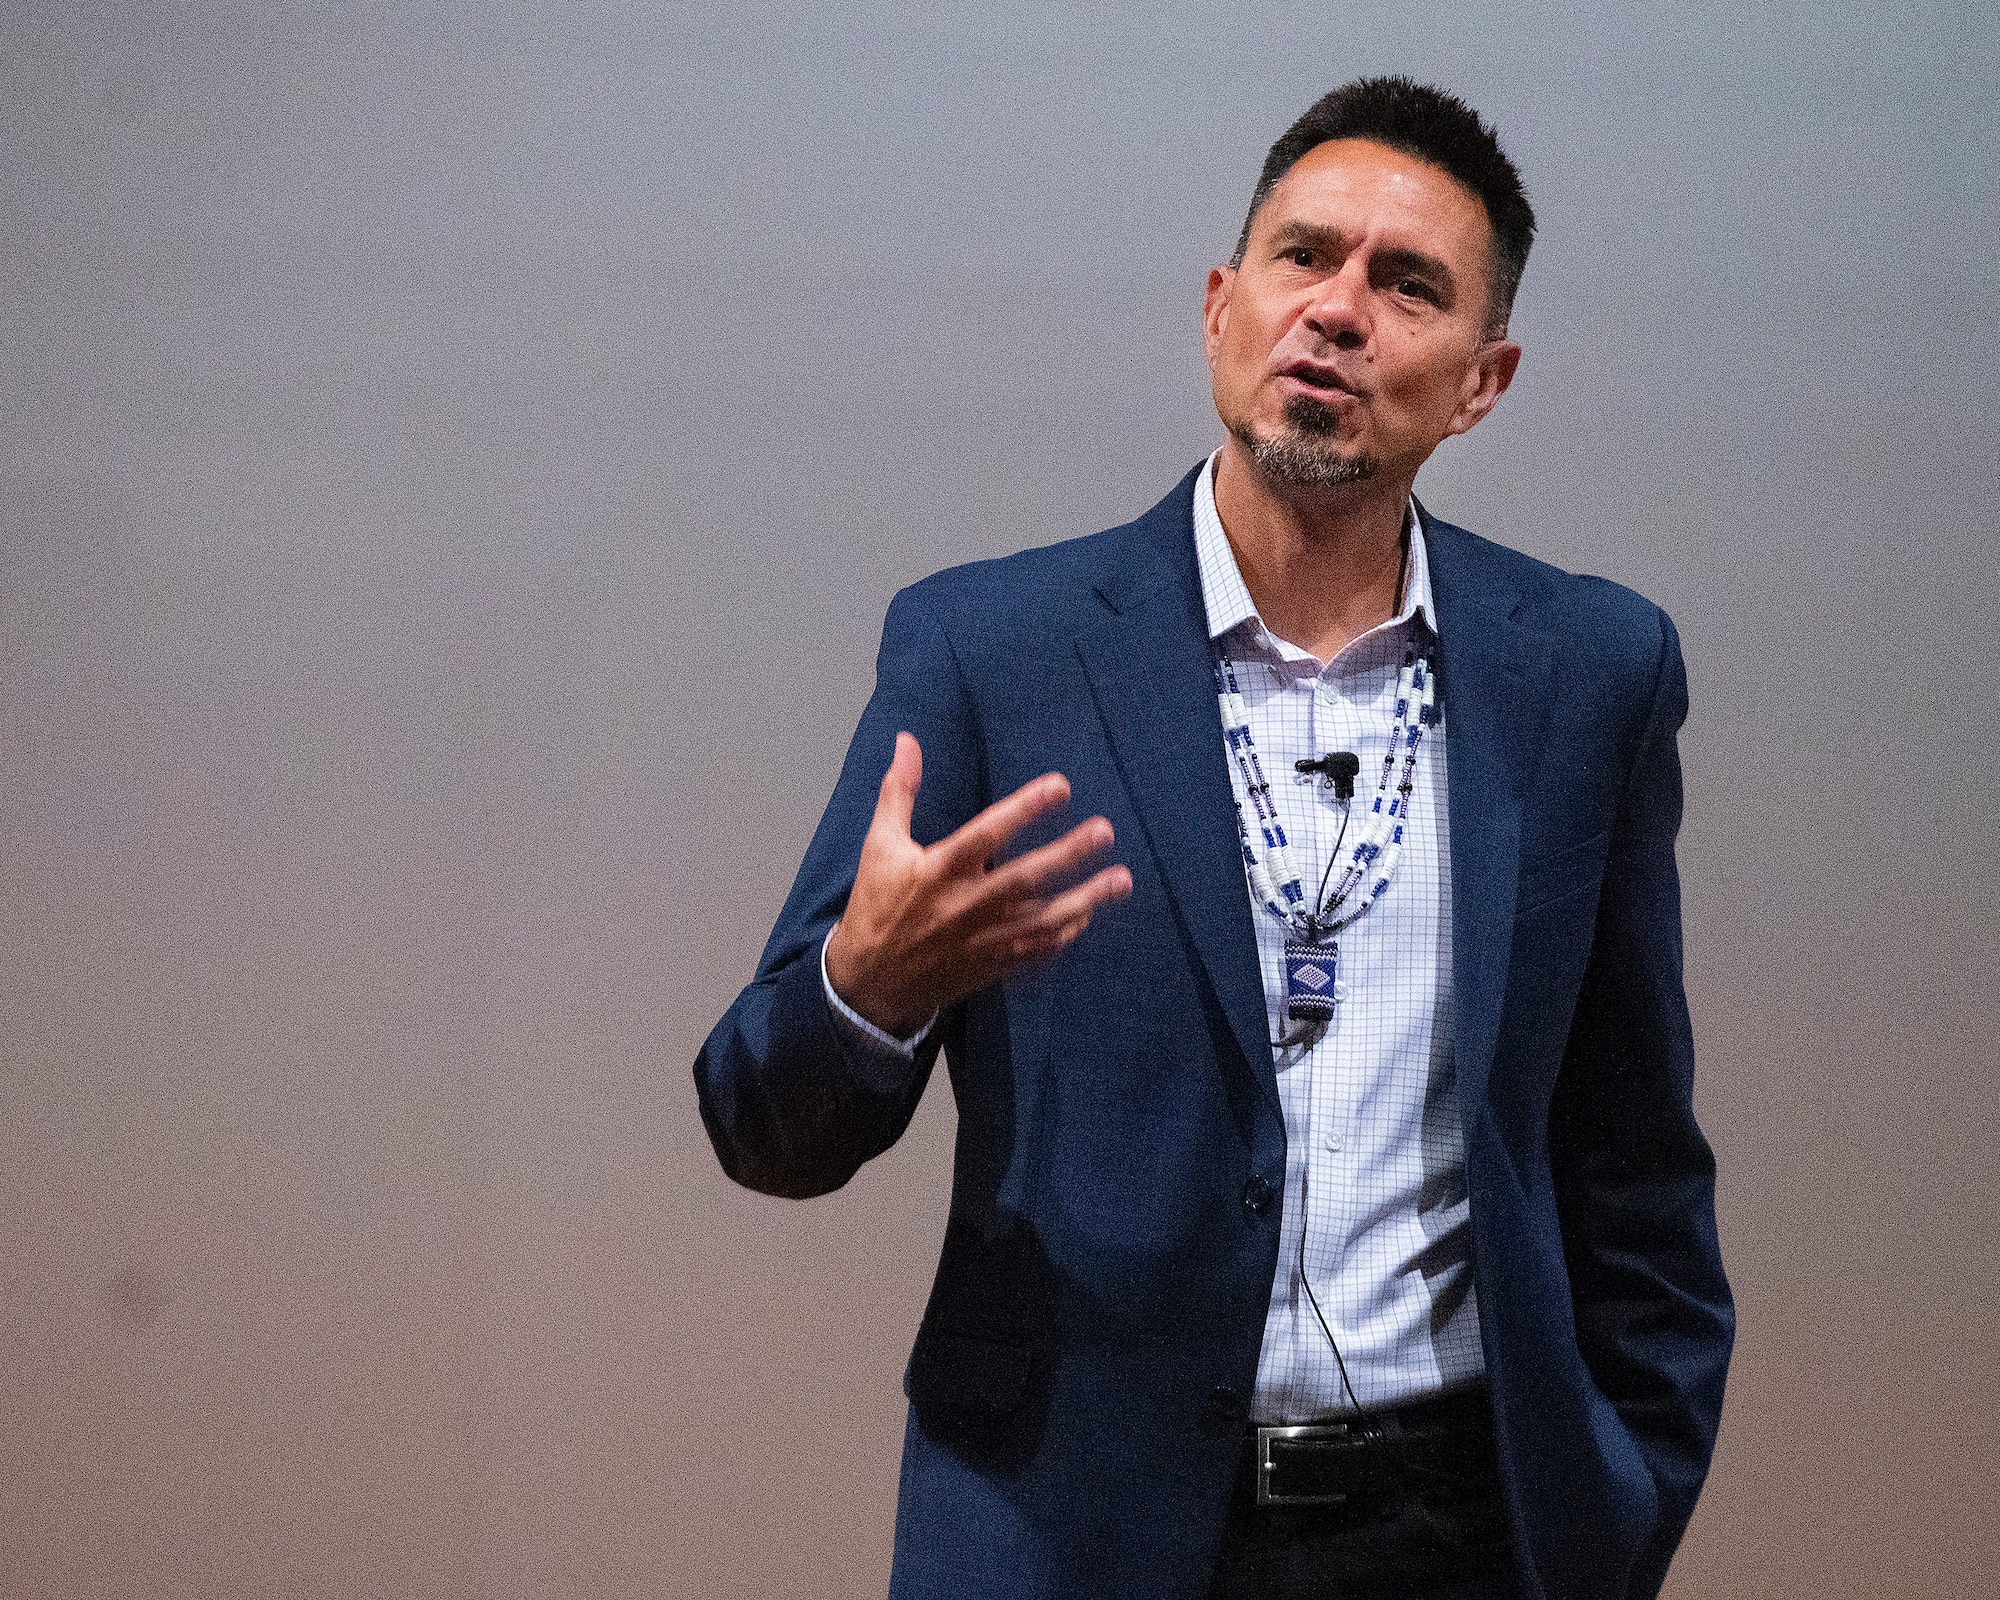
453,463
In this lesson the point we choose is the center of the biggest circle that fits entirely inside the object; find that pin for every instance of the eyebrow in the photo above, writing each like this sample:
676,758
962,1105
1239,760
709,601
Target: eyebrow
1291,235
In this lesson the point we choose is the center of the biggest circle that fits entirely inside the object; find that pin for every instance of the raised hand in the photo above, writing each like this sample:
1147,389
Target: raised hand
928,925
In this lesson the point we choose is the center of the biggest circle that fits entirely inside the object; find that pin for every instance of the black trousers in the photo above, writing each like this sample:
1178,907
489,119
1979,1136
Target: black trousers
1425,1522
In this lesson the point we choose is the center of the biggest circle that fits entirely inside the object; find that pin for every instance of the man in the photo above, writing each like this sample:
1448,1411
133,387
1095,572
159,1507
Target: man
1331,1218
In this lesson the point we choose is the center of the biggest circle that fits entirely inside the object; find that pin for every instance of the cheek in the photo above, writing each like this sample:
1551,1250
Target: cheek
1256,332
1238,357
1433,384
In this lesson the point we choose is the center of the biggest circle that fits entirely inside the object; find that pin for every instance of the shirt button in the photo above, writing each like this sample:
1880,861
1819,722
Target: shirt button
1333,1143
1257,1195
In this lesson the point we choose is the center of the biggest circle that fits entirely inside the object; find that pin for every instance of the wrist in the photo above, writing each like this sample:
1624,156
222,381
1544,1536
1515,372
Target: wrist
861,991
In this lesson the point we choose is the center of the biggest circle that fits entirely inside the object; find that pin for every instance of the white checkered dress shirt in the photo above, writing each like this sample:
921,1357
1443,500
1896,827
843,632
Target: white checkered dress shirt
1375,1164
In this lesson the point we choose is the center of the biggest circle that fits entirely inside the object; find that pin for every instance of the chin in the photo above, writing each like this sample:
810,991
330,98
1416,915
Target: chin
1303,457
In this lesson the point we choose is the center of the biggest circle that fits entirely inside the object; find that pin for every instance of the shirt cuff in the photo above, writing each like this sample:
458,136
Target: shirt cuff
871,1040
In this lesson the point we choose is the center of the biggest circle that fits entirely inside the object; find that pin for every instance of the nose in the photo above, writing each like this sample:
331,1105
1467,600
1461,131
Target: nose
1339,312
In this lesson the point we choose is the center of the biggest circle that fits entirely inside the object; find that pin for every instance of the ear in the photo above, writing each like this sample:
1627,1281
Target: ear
1215,308
1486,380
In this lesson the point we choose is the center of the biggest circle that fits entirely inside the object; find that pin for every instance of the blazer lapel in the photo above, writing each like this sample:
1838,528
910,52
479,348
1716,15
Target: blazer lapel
1151,672
1149,666
1493,683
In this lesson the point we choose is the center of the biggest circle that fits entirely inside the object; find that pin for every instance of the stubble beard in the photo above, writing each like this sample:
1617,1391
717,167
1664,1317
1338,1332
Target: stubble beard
1305,454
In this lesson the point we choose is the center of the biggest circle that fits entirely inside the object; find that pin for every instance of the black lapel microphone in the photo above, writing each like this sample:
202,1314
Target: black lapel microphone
1338,767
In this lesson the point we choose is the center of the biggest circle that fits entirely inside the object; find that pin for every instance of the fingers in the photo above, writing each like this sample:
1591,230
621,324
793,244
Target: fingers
1078,905
899,786
1040,870
986,835
1036,946
932,925
1046,927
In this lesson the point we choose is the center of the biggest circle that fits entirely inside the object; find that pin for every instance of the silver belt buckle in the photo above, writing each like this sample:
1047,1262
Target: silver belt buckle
1302,1433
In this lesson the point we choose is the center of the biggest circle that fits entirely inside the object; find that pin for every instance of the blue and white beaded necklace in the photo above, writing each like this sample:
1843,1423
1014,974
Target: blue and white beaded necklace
1312,952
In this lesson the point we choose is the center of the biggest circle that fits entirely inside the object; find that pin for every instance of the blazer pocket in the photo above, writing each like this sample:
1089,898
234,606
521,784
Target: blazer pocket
1552,876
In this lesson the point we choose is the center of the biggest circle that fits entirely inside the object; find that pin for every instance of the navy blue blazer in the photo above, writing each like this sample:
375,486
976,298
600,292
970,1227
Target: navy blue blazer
1080,1381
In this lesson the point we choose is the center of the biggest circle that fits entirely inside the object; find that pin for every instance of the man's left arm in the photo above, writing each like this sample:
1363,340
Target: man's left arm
1634,1178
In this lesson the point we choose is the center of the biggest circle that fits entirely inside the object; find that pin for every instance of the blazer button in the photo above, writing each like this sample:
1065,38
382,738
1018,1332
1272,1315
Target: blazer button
1225,1408
1257,1195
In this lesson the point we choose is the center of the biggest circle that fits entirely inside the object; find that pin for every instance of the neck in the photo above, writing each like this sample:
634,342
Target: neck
1323,565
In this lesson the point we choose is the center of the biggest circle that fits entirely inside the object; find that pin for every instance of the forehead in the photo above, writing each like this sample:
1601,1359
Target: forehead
1366,189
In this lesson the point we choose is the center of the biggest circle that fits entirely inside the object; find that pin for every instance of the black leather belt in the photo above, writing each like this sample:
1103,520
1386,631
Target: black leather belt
1362,1459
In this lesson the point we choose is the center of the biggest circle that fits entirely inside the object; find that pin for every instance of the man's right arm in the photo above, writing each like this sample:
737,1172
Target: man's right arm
792,1102
807,1077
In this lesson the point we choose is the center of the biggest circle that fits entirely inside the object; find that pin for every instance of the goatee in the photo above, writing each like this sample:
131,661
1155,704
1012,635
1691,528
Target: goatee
1305,454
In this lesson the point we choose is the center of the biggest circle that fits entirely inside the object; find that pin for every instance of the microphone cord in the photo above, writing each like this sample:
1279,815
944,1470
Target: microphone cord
1371,1425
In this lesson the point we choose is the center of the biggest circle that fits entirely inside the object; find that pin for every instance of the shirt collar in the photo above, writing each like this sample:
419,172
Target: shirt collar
1227,597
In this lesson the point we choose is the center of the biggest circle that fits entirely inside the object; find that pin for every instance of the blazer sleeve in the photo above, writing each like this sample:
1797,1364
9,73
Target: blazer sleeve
1634,1178
789,1100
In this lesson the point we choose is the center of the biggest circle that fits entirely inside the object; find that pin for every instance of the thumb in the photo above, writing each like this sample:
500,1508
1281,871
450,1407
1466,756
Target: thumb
899,786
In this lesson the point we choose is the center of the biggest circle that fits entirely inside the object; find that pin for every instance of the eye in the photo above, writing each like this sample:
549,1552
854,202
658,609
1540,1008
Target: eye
1300,256
1416,289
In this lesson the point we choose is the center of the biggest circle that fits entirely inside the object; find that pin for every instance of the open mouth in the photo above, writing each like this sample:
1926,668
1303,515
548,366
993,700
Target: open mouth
1318,380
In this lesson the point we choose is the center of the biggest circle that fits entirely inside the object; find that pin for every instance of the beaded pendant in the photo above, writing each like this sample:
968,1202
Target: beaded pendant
1311,972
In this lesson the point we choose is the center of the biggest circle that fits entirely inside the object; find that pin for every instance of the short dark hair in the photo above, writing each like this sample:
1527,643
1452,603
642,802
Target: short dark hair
1428,125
